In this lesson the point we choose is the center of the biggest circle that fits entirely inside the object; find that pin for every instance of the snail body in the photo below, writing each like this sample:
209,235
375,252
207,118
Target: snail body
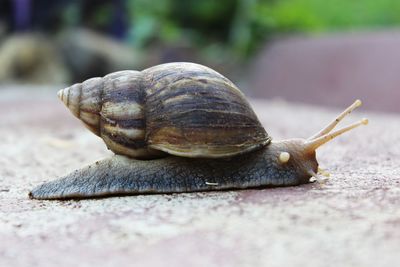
180,127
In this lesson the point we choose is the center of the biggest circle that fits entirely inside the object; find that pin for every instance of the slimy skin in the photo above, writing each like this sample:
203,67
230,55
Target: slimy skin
119,175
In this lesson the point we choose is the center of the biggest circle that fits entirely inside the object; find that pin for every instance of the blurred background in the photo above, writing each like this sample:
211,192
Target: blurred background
311,51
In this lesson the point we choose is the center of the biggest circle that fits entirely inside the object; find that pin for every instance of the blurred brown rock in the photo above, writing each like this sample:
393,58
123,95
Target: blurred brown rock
74,56
88,54
31,58
332,70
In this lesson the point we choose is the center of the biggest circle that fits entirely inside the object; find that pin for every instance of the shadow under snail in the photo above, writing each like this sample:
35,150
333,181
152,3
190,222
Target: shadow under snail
180,127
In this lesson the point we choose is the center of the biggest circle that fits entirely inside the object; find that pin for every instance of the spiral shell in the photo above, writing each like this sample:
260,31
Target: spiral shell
183,109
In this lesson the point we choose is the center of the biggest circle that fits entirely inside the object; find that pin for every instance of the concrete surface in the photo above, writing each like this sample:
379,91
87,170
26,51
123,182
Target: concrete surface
353,220
331,68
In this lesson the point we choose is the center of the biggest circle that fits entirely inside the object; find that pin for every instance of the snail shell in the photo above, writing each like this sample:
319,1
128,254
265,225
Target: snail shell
183,109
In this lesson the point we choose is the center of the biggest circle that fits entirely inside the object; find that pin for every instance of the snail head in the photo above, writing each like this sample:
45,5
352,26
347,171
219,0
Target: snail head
300,153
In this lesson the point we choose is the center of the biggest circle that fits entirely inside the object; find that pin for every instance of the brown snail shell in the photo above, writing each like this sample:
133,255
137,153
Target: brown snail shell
183,109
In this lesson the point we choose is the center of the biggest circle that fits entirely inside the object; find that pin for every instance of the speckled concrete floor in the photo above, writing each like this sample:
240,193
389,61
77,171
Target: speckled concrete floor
353,220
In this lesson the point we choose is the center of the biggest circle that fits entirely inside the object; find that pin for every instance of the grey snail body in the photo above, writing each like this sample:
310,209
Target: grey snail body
180,127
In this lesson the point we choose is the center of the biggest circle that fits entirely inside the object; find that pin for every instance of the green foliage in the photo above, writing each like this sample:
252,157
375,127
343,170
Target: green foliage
319,15
215,26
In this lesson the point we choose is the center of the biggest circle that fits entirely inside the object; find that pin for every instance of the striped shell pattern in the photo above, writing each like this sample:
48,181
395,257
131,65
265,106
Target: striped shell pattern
183,109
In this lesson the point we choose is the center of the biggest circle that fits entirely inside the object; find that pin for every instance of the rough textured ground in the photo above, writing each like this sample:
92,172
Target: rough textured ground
354,220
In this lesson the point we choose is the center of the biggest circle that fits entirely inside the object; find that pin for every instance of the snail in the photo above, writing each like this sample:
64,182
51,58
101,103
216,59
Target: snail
180,127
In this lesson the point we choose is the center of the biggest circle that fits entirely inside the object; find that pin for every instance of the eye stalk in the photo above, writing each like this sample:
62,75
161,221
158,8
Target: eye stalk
284,157
325,135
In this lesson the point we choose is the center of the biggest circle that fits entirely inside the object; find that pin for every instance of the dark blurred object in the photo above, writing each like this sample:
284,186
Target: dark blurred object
31,58
332,70
107,16
88,54
2,31
32,15
22,14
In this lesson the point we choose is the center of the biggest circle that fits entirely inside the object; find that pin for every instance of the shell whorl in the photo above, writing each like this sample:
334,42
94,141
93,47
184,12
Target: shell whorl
84,101
112,107
183,109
